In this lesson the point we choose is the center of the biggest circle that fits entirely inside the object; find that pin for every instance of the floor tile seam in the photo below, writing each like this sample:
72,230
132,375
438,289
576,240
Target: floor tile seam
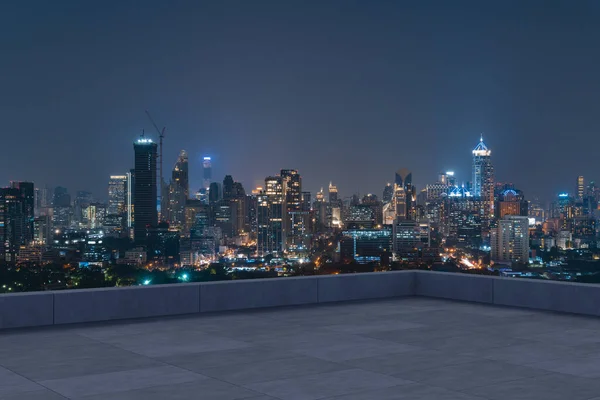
397,375
337,396
224,381
462,390
290,357
545,372
36,383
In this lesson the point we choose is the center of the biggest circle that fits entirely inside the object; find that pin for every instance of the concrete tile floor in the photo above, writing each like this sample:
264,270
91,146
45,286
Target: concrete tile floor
411,348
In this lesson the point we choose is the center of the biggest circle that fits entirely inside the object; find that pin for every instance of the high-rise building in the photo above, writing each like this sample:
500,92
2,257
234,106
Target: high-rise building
580,187
214,193
511,202
28,194
404,194
510,240
483,176
61,208
207,172
228,187
333,193
12,223
117,192
388,193
178,191
270,216
145,190
129,201
296,219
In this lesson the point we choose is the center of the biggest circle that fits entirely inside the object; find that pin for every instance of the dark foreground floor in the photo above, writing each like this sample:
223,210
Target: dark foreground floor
413,348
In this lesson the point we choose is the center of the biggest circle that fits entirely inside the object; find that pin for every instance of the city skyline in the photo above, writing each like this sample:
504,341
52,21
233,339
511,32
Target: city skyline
395,85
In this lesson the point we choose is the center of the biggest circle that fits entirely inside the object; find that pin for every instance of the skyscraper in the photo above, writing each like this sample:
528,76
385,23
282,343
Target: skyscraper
207,172
129,201
483,175
388,193
274,239
117,191
145,191
580,188
178,190
228,187
12,223
28,196
296,219
214,193
61,208
333,193
404,194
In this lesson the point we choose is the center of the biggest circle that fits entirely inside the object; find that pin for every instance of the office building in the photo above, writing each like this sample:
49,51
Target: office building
270,217
366,245
388,193
510,240
511,202
333,194
214,193
82,200
61,208
145,190
117,195
12,223
178,191
580,188
28,196
206,172
404,194
129,195
296,219
483,177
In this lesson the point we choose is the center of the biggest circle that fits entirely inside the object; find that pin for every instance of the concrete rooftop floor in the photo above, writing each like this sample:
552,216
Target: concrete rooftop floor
410,348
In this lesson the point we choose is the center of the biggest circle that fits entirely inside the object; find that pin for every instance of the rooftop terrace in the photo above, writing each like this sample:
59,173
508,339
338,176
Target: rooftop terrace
401,348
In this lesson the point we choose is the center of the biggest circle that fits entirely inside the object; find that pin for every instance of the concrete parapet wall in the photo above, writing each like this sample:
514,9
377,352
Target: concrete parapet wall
257,293
455,286
87,305
372,285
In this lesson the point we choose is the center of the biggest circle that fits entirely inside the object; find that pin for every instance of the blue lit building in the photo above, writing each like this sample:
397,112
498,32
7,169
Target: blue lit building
366,245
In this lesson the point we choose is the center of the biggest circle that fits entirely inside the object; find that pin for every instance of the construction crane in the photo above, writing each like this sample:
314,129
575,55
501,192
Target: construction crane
161,135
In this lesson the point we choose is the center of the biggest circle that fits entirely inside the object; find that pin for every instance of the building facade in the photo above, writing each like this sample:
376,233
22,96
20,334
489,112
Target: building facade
510,240
145,190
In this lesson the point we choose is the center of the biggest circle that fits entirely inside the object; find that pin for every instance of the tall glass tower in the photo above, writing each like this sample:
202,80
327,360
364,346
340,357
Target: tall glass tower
145,190
207,172
483,174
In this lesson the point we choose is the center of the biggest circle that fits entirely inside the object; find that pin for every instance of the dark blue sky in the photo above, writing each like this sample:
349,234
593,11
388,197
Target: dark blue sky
347,91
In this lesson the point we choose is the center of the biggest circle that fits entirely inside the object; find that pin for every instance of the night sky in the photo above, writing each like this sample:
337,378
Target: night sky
347,91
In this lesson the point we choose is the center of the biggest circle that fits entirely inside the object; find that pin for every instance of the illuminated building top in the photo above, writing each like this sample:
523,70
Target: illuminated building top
481,149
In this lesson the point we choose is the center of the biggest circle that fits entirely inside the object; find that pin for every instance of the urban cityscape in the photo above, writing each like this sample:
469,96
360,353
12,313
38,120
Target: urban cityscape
157,229
300,200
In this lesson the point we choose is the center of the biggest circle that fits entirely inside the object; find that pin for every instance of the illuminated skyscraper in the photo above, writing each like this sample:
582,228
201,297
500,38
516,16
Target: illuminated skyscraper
296,219
270,212
28,196
145,190
117,192
483,173
178,191
12,223
580,187
333,193
404,194
207,172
